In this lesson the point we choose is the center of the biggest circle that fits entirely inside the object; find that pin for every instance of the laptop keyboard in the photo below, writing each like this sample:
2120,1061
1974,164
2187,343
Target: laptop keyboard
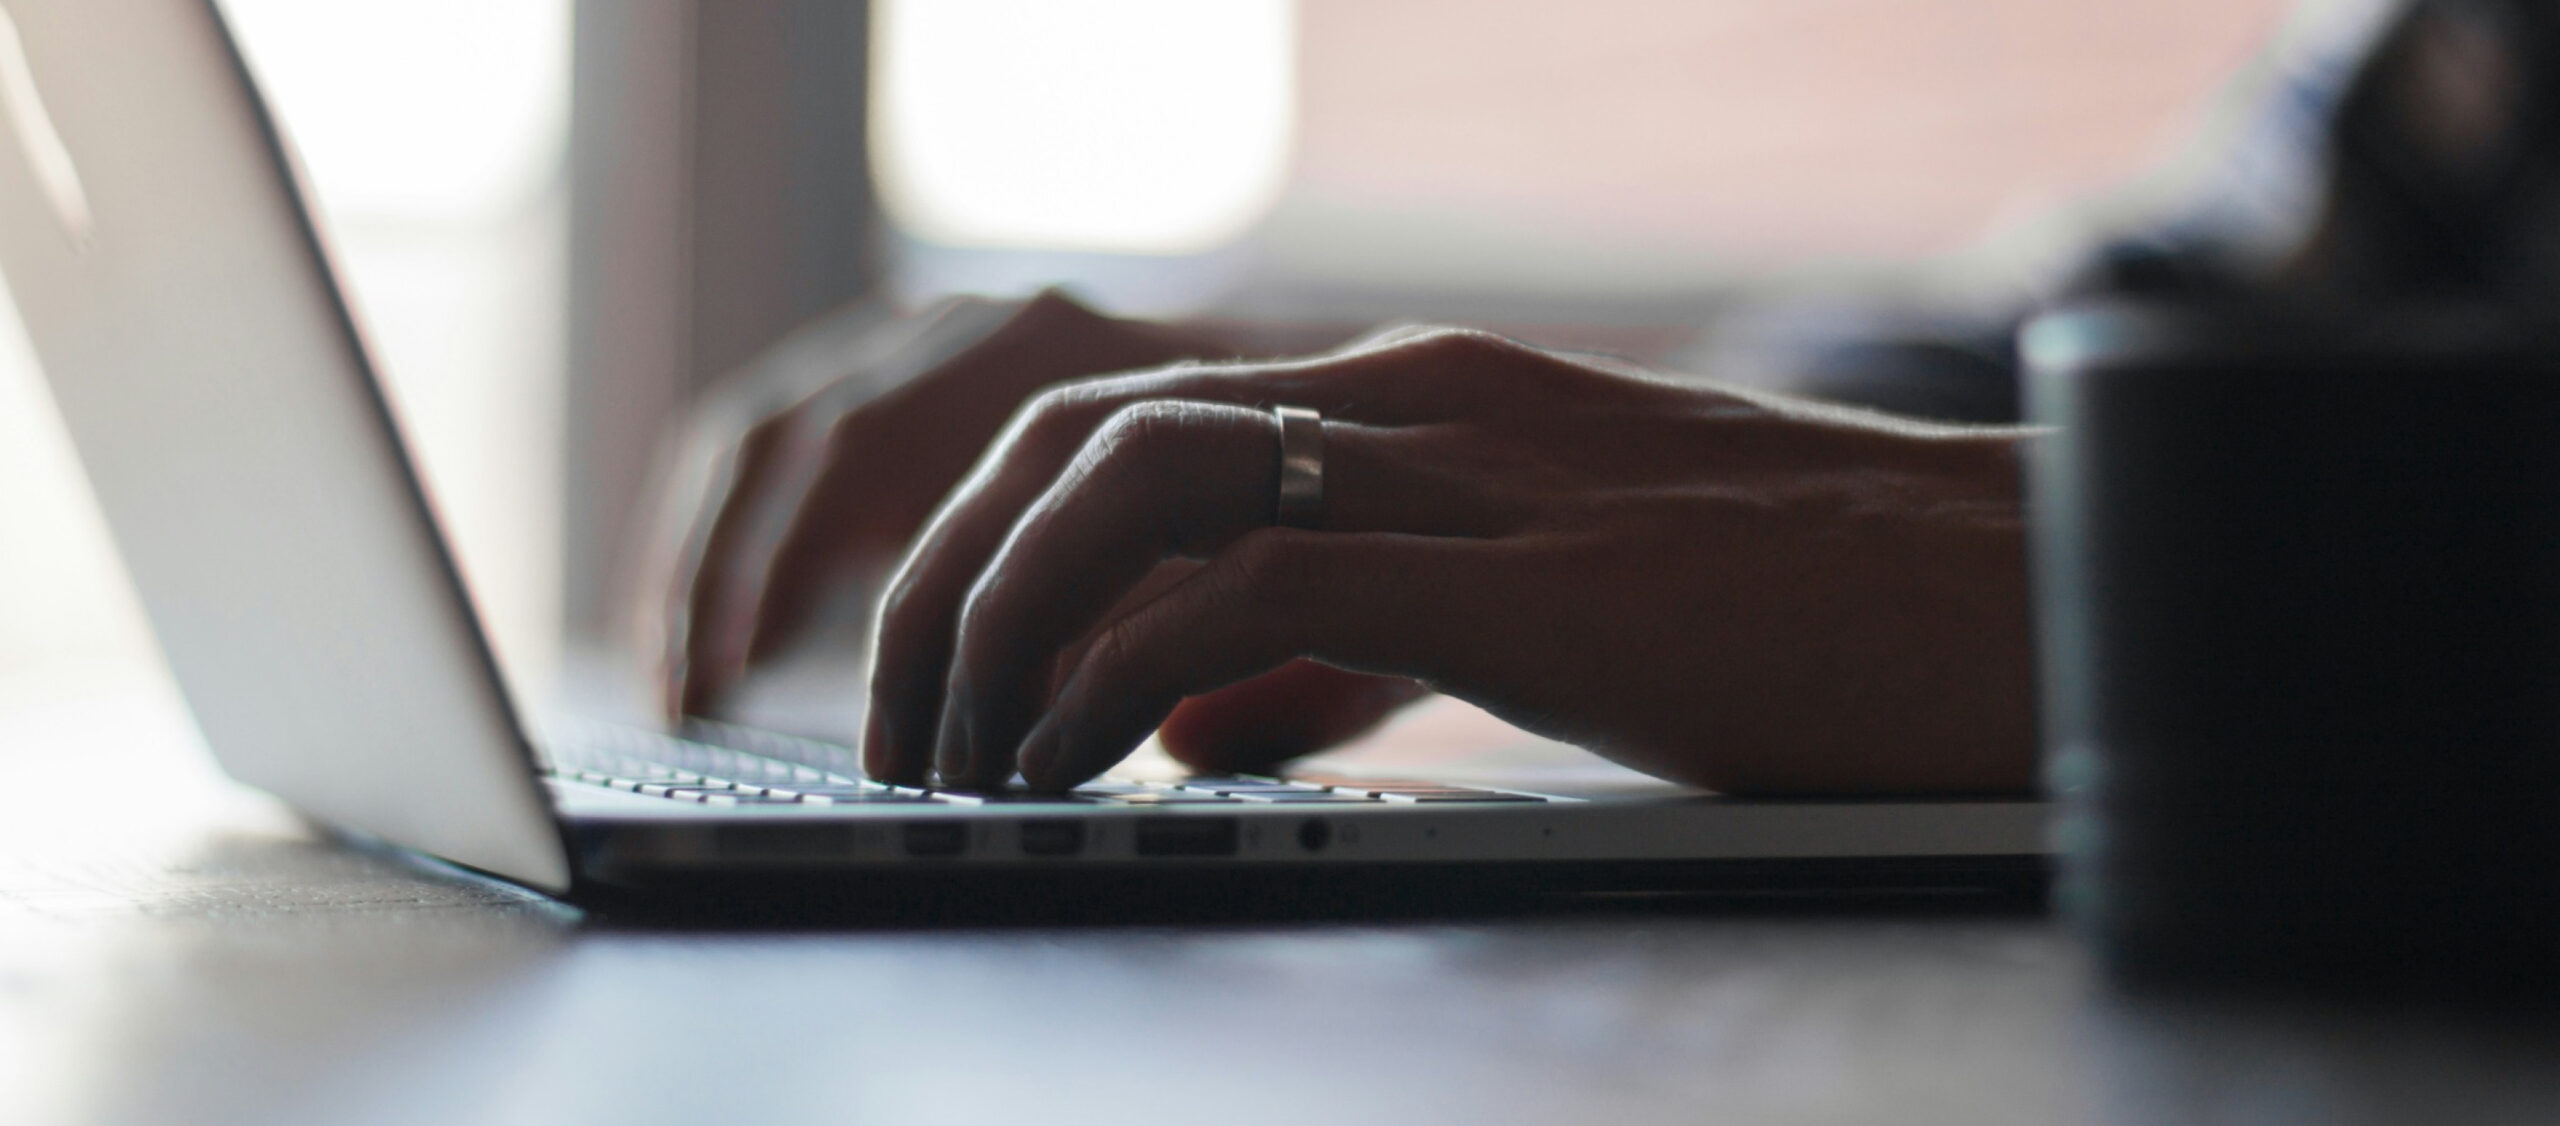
726,765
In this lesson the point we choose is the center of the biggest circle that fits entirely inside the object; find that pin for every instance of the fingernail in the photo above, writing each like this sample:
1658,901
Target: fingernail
691,697
671,699
875,746
1039,755
951,751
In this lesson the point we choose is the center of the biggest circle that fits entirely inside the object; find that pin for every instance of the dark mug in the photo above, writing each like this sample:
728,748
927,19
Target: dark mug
2298,605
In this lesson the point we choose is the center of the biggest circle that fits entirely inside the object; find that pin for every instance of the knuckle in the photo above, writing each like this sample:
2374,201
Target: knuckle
1453,343
902,593
1054,400
1501,368
1175,458
848,429
1440,354
1268,568
1388,336
1153,417
1040,418
743,452
1111,650
1145,432
766,430
1061,417
980,607
917,597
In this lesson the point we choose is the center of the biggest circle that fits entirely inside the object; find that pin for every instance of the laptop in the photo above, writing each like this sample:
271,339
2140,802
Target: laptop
180,296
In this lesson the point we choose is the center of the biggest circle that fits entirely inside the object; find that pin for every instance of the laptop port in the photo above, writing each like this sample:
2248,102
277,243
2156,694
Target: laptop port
1314,834
935,838
1178,835
1058,837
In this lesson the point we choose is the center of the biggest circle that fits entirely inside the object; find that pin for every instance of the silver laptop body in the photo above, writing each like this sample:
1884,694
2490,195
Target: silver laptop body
155,238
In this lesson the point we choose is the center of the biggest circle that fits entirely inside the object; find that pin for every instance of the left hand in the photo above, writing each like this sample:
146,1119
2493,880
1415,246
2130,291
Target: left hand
1738,591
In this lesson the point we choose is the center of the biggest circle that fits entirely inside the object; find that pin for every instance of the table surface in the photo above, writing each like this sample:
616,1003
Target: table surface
176,949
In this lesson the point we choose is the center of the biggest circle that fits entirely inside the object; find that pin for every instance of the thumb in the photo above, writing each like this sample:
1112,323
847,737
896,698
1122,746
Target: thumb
1297,709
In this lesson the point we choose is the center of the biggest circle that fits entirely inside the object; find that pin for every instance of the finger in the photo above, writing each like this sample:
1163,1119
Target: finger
795,457
861,506
1297,709
745,459
888,464
1401,384
1160,480
1371,603
704,648
667,555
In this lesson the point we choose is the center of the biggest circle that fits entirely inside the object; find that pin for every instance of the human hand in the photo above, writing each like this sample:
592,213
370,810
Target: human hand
1739,591
811,472
812,469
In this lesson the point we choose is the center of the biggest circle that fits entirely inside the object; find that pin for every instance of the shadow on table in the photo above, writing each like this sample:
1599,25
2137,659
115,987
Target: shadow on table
930,899
279,979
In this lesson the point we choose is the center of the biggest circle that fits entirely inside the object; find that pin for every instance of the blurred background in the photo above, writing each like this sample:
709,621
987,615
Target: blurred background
561,218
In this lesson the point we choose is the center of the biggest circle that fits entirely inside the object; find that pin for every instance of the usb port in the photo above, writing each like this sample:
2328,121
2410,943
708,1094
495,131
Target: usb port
1178,835
1057,837
935,838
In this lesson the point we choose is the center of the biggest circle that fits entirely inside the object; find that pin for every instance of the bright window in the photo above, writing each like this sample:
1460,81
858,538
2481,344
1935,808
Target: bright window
1151,126
433,132
1602,146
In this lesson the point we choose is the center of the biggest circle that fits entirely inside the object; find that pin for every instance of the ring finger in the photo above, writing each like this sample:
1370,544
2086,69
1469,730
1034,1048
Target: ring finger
918,619
1159,480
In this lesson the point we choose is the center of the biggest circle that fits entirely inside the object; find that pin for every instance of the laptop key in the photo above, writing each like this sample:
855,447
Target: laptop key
869,799
1169,797
1240,791
1437,796
1215,785
1376,786
1300,797
731,797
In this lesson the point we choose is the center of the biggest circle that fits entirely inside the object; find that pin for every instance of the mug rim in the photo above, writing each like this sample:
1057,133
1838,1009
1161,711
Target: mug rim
2117,334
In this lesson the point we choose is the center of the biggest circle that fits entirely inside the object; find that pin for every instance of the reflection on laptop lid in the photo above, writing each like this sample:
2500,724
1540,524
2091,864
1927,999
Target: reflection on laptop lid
222,402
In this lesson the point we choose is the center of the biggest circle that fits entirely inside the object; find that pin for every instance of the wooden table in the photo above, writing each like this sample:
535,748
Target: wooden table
174,949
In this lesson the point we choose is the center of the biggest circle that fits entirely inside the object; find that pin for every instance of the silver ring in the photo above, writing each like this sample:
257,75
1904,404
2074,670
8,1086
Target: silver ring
1301,500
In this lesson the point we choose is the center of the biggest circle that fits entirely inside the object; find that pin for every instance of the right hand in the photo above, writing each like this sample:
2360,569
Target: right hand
1735,590
811,471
